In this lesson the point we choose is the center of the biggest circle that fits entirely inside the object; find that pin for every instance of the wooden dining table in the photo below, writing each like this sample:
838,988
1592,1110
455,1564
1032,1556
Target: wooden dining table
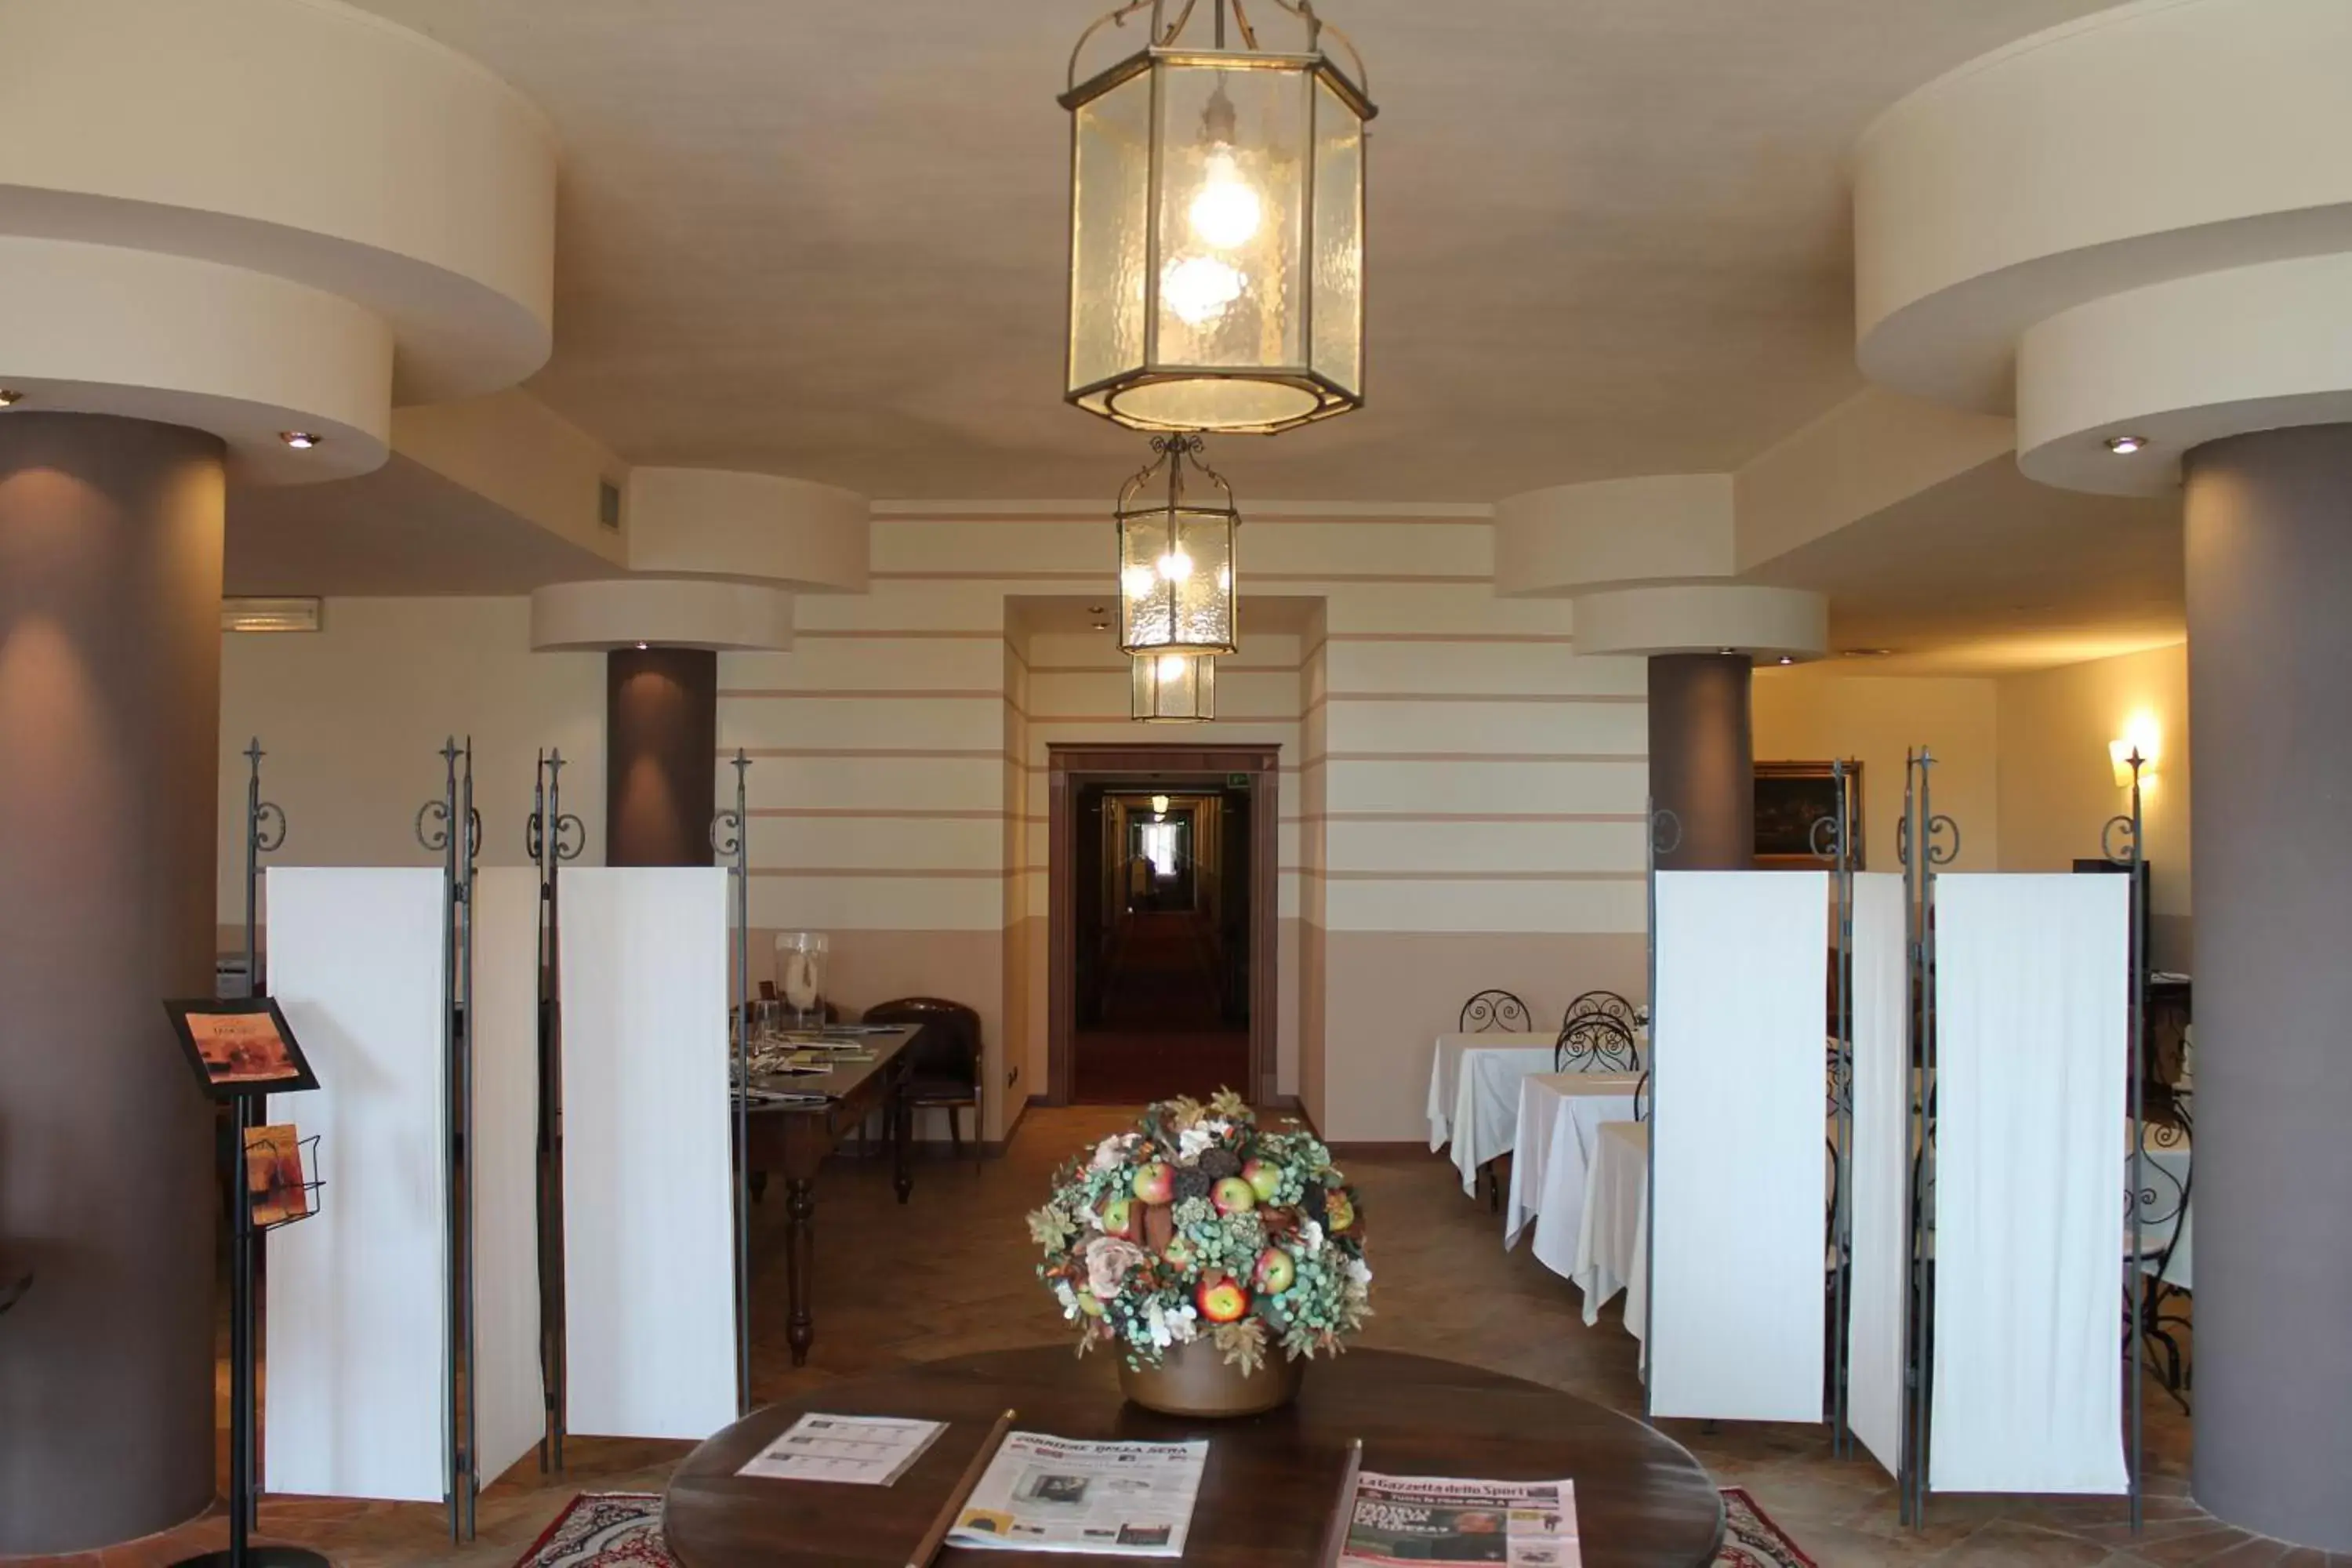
1271,1483
792,1138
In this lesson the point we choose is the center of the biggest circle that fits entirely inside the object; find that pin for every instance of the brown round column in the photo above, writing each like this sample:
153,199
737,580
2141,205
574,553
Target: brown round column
1703,758
110,715
2270,682
661,756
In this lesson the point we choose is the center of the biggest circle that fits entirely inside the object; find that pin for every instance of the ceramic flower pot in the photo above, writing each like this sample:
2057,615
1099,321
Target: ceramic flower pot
1196,1380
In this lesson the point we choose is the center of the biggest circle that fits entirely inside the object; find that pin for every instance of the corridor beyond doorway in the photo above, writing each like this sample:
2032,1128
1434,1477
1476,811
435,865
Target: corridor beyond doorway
1163,909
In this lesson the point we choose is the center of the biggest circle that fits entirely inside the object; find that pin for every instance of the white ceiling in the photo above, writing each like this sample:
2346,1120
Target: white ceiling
1991,572
1608,236
400,529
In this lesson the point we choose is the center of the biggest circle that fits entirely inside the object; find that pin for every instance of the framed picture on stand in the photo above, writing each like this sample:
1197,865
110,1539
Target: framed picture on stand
241,1047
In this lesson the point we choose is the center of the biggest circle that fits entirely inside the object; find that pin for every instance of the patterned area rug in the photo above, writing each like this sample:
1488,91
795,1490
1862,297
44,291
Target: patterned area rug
623,1529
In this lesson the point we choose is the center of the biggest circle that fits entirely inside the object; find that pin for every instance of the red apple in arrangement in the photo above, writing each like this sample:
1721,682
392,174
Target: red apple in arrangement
1222,1299
1275,1272
1155,1183
1234,1195
1119,1218
1178,1252
1339,1212
1265,1179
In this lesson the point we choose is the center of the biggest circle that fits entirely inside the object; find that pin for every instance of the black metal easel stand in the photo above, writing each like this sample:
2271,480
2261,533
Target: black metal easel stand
244,1490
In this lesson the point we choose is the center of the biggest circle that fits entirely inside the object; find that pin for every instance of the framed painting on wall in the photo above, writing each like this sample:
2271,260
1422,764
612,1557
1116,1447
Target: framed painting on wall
1790,798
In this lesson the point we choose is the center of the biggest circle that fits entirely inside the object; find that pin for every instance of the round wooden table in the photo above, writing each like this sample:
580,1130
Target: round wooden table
1271,1483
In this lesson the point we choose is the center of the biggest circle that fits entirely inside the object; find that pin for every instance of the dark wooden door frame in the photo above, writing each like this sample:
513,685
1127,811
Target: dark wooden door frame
1070,765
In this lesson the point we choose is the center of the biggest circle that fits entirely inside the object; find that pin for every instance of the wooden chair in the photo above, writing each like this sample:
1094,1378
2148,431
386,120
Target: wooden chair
945,1067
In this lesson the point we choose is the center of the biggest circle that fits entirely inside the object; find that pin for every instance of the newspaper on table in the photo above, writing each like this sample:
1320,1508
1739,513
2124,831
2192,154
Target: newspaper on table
1420,1521
1053,1494
859,1450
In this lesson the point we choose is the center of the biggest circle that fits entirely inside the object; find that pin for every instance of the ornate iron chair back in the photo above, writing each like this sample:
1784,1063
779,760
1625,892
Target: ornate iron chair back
1600,1003
1595,1042
1495,1011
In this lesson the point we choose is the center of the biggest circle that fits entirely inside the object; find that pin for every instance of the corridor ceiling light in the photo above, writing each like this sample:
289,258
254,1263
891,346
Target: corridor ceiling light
270,615
9,397
2124,446
1177,528
300,440
1217,222
1785,659
1175,688
1159,804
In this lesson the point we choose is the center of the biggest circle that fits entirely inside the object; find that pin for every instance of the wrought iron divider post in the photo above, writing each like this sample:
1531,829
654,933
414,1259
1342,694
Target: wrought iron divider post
1832,841
265,831
550,837
452,826
730,839
2129,857
1923,840
1664,835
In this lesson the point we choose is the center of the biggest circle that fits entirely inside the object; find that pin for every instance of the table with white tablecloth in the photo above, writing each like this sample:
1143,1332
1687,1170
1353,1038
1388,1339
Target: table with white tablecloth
1473,1094
1612,1236
1559,1122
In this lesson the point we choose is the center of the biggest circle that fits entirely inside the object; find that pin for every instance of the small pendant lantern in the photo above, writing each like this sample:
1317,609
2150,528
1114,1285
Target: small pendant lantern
1175,687
1217,223
1177,531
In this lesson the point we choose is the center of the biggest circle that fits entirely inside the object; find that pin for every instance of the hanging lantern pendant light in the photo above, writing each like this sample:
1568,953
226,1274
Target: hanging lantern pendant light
1178,533
1217,225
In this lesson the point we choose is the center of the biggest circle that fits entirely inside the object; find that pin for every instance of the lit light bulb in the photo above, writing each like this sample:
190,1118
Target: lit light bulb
1225,211
1175,566
1171,668
1136,581
1198,288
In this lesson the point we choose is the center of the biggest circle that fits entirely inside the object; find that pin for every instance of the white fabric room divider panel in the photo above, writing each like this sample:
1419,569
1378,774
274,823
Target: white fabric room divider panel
1738,1213
356,1322
2032,993
648,1192
1880,1182
510,1414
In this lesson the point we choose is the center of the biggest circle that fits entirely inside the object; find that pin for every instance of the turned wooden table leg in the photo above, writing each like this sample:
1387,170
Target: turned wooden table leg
902,1119
800,1208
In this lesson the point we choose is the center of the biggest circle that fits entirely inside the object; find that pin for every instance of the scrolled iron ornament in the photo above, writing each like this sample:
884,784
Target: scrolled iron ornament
433,824
269,826
726,833
2119,840
1665,831
1824,839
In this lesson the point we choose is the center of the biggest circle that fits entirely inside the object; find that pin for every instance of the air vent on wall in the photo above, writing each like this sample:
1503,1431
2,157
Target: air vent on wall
608,504
270,614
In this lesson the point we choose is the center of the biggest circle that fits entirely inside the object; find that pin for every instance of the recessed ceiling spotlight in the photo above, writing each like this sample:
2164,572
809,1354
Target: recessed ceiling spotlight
300,440
1102,626
10,397
1864,652
1097,609
2124,446
1786,659
1726,652
641,648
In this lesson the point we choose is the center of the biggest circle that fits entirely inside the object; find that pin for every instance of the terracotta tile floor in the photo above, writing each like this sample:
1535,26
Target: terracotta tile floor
951,1273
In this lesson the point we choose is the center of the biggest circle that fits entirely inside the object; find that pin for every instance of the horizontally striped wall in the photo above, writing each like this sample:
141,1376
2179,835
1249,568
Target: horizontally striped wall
1464,794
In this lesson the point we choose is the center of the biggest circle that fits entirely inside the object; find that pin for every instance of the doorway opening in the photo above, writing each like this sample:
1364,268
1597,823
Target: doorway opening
1163,923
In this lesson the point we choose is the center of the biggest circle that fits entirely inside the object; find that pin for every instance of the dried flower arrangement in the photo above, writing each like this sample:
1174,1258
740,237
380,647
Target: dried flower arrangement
1198,1225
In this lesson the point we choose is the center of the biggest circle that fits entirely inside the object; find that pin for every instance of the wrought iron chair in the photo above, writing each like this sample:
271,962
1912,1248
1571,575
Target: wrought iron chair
1495,1011
1601,1004
1595,1042
2162,1202
1642,1097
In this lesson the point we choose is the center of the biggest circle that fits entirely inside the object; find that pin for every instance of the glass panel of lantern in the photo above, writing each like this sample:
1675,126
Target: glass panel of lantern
1217,239
1174,688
